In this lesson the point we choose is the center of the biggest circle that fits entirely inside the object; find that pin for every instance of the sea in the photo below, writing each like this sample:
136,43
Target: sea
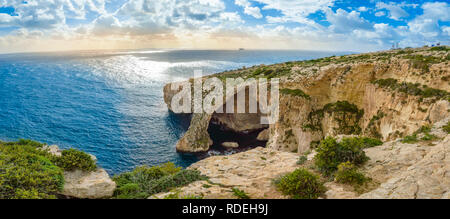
110,103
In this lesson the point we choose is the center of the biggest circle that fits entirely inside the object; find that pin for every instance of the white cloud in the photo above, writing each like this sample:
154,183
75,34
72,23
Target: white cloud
363,9
427,24
380,14
296,11
248,9
208,23
343,21
396,11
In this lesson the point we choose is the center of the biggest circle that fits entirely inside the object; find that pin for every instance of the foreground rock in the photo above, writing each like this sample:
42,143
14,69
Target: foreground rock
410,171
85,185
88,185
251,171
263,135
405,171
230,145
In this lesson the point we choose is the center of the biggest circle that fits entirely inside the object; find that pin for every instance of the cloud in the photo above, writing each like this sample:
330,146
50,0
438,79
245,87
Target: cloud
427,24
248,9
396,10
287,24
343,21
380,14
363,9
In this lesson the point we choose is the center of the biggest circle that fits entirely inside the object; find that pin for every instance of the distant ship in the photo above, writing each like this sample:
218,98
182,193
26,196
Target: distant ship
241,49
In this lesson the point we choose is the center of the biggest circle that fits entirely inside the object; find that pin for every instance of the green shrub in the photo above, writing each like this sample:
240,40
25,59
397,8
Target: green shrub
239,193
74,159
414,139
412,89
371,142
26,172
300,184
439,48
330,153
302,160
295,92
410,139
428,137
446,128
348,174
176,195
145,181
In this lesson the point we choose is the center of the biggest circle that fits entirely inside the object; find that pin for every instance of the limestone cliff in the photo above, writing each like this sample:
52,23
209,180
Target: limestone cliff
386,95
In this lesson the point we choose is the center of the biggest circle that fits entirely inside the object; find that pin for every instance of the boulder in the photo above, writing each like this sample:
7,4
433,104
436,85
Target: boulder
88,185
263,135
230,144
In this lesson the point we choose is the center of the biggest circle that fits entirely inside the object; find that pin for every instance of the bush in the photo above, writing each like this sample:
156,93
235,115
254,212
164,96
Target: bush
239,193
439,48
302,160
410,139
330,153
446,128
27,172
348,174
145,181
74,159
413,138
300,184
412,89
295,92
371,142
176,195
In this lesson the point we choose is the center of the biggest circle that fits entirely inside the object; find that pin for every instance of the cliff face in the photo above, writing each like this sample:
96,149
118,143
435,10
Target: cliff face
386,95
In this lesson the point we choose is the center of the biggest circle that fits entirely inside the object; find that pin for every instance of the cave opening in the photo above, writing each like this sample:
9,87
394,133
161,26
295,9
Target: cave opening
247,140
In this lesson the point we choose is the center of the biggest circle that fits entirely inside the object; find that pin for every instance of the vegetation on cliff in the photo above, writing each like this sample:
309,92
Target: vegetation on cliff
300,184
446,128
331,153
415,89
74,159
240,194
346,114
424,131
347,173
295,92
145,181
29,171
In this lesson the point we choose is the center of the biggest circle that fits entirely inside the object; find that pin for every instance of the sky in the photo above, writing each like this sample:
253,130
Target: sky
327,25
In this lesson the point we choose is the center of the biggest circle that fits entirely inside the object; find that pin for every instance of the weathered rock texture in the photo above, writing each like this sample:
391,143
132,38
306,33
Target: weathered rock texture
304,119
405,171
88,185
410,171
251,171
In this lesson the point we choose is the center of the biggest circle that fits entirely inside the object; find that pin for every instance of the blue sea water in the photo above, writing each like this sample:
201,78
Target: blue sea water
109,103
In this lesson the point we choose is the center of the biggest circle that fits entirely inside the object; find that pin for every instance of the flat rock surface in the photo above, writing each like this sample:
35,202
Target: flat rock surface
251,171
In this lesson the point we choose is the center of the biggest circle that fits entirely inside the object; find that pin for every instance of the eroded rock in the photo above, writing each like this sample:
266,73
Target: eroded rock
88,185
263,135
252,171
230,144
